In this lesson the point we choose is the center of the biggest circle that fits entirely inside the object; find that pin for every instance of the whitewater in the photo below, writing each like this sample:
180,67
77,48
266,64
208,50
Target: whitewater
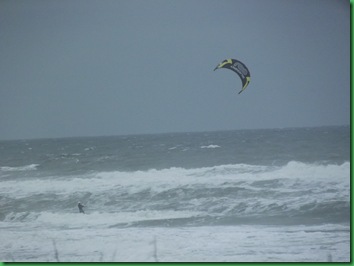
275,195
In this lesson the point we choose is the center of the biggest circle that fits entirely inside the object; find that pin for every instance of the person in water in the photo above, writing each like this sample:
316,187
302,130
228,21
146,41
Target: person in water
81,207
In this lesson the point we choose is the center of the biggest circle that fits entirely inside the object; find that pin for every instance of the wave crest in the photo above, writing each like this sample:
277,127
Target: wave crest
30,167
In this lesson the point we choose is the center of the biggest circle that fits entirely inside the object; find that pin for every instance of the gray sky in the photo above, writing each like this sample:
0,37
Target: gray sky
93,67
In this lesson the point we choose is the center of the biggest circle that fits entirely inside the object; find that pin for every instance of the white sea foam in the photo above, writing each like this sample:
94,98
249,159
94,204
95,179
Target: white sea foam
210,147
93,218
293,176
29,167
183,244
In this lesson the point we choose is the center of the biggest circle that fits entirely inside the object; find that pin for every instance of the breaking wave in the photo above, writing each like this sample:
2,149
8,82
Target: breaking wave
226,194
30,167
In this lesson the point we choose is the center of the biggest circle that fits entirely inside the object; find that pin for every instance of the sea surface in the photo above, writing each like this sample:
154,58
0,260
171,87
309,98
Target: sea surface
280,195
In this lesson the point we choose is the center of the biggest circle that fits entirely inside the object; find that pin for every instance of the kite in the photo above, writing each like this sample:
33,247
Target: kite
239,68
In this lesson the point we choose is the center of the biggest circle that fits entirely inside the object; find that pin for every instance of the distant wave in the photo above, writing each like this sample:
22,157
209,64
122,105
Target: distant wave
172,148
29,167
210,147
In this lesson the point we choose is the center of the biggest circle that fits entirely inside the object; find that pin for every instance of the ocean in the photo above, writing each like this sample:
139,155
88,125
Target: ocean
270,195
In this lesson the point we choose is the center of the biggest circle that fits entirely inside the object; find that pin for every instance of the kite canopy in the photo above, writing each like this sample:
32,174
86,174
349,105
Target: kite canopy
239,68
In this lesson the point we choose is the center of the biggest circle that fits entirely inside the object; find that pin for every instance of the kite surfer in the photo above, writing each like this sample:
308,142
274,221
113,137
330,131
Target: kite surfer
81,207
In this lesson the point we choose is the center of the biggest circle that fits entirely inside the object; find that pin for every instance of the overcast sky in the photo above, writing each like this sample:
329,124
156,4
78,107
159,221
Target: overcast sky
112,67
